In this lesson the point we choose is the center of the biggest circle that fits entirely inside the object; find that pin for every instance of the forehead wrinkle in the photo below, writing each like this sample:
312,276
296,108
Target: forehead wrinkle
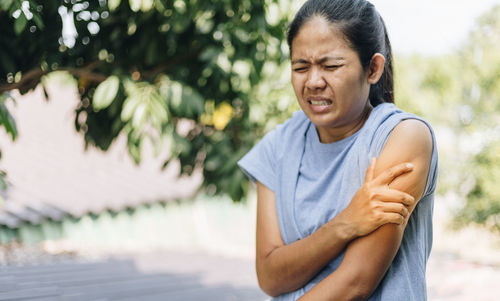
320,60
330,58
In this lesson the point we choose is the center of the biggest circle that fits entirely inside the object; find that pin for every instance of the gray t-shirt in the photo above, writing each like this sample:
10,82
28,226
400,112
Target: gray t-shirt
313,182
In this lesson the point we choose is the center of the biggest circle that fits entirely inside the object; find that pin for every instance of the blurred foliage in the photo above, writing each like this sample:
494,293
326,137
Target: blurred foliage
180,73
480,116
483,200
9,124
459,94
429,87
209,78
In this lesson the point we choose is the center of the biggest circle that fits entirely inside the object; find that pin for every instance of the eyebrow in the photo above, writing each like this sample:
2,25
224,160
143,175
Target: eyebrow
322,60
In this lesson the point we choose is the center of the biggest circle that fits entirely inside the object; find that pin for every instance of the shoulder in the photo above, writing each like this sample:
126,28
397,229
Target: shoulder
287,132
387,120
264,161
284,136
410,141
400,137
298,121
412,135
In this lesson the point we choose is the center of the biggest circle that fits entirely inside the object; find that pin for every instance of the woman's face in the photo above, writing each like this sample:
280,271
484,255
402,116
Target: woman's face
331,87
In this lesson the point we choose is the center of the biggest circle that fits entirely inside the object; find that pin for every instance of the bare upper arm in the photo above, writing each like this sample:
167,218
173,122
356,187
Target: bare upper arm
268,230
410,141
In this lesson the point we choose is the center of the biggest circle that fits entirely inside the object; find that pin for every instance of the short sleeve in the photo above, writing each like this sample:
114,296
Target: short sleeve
259,164
382,136
383,132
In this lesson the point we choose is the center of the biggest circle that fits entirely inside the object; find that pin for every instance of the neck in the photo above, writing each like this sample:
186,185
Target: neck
329,135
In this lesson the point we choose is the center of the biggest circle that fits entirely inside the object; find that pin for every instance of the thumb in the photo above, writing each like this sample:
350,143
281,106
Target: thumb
370,171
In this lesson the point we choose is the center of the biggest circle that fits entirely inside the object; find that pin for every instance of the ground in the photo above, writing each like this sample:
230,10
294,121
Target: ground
173,275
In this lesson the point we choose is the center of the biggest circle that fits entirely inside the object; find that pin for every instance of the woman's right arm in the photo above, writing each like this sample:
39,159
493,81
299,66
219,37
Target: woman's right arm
284,268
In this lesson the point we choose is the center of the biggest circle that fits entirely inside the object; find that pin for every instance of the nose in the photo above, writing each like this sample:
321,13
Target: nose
315,79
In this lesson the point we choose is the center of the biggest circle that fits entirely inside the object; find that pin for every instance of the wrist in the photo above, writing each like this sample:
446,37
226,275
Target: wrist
344,230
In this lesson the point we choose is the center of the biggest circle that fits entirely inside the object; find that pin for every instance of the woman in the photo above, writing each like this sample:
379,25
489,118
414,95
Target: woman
330,219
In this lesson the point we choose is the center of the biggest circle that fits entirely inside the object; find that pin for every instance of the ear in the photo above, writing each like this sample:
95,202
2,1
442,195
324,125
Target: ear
376,68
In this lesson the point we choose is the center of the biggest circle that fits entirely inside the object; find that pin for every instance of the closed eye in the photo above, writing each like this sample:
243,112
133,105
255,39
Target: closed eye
332,67
300,69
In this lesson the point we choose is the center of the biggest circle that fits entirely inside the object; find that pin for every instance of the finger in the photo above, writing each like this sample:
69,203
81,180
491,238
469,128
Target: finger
390,174
370,170
395,208
393,218
395,196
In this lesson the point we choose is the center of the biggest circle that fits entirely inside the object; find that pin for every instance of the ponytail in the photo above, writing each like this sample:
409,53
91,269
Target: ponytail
383,90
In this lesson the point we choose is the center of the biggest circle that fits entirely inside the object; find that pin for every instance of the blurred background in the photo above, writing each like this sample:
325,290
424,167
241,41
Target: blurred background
123,121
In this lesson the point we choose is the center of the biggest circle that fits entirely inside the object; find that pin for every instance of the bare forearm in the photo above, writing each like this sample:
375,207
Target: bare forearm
356,280
336,288
291,266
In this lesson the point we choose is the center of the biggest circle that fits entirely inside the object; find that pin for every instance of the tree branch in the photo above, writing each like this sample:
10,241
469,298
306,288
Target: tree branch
90,76
31,79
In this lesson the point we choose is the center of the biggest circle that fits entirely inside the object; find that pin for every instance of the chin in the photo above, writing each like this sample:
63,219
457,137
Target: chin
324,120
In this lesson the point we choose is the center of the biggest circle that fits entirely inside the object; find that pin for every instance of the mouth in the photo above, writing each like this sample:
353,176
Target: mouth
319,101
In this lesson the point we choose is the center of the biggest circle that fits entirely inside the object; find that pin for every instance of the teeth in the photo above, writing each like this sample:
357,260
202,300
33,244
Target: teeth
320,102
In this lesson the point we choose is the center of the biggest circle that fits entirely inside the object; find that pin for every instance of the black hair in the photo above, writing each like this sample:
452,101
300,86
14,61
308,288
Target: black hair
363,28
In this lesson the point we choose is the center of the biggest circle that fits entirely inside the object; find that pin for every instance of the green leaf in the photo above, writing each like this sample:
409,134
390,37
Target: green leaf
194,100
7,120
130,87
134,149
5,4
209,54
113,4
129,107
3,185
106,93
38,21
182,145
157,109
20,24
139,114
176,94
135,5
147,5
235,190
161,5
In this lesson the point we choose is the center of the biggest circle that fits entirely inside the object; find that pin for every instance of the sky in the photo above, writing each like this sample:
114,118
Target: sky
430,27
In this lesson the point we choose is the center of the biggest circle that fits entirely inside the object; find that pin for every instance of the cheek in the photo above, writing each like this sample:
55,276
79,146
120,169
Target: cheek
297,85
353,85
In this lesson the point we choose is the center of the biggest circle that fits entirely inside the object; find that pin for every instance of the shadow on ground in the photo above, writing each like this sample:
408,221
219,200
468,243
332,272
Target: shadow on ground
144,277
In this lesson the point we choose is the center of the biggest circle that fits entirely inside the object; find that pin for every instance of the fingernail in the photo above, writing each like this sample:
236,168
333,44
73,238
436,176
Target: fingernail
409,165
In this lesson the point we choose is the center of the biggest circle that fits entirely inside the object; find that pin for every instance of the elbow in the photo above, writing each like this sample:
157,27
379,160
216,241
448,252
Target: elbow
359,288
360,294
268,285
270,290
274,277
270,279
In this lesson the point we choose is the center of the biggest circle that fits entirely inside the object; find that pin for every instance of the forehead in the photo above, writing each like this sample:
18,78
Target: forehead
317,37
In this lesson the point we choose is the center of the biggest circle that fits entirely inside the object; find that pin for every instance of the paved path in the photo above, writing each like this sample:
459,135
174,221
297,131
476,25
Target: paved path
181,276
160,276
450,278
